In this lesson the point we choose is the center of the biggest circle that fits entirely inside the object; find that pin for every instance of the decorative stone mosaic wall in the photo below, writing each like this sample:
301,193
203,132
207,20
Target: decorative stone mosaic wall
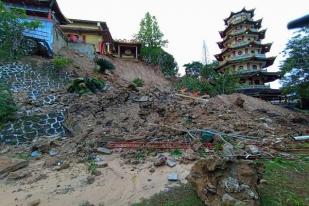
37,86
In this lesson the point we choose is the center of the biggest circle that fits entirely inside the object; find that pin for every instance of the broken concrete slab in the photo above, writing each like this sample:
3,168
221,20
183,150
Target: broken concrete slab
8,165
103,150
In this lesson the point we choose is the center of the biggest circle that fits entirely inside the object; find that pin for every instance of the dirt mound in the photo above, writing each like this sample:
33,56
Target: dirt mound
129,69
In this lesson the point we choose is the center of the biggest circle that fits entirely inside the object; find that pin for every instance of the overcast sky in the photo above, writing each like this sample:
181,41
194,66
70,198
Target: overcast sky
186,24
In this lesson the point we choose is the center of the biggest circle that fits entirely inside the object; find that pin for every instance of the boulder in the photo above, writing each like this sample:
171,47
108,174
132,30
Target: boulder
220,181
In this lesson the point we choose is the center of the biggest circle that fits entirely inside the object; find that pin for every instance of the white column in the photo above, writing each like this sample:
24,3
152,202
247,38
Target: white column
136,48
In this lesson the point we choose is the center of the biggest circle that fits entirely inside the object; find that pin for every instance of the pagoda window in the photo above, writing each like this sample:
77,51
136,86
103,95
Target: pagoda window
254,67
257,81
239,53
241,67
252,51
246,51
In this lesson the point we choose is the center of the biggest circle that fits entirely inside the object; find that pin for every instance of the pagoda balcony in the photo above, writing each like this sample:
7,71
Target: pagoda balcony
244,71
254,86
243,57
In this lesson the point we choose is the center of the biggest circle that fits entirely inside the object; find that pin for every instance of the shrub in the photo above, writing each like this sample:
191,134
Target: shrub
157,56
138,82
85,85
61,62
7,105
105,65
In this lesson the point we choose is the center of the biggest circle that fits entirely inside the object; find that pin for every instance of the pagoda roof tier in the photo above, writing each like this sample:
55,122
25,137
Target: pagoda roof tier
264,93
257,24
245,58
250,44
251,11
246,31
264,75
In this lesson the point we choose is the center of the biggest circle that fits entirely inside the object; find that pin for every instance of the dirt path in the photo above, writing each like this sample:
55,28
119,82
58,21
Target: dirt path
118,185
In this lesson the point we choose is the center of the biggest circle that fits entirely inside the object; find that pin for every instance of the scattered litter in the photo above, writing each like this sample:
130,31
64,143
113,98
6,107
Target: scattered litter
36,154
171,163
53,152
301,138
172,176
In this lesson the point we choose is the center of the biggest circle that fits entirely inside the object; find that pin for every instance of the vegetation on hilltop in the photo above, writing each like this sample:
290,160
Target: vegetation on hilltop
152,41
296,67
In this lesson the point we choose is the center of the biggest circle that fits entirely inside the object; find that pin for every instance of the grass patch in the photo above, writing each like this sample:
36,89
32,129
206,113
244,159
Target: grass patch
287,183
86,85
183,195
138,82
61,62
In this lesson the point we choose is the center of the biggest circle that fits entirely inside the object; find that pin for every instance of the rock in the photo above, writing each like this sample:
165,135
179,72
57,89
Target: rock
42,144
228,151
141,99
172,176
160,161
252,149
239,102
103,150
53,152
34,202
219,181
171,163
18,175
152,170
228,199
90,180
101,164
231,185
8,165
62,165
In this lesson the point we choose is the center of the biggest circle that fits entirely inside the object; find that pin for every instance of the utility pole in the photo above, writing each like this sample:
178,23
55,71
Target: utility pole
205,53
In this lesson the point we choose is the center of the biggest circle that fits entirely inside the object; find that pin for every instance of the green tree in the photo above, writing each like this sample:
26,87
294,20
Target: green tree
152,42
208,80
12,27
296,67
149,33
194,68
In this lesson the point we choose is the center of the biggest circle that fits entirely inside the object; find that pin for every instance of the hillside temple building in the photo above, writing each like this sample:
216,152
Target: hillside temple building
244,55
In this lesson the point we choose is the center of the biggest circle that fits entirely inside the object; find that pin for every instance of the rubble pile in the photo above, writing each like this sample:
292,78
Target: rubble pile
125,113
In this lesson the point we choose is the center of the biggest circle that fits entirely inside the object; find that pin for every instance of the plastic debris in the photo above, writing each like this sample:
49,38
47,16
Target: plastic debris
172,176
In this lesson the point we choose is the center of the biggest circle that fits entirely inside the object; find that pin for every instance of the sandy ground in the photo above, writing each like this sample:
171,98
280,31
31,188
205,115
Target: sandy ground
119,184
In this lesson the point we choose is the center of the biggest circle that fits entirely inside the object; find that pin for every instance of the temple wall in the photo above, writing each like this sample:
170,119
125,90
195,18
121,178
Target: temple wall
84,48
59,40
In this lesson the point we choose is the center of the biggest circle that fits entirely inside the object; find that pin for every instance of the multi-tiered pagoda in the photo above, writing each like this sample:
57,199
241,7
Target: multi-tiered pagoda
244,55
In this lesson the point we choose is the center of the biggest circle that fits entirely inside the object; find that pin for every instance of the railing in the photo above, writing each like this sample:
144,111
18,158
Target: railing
243,57
254,86
243,71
